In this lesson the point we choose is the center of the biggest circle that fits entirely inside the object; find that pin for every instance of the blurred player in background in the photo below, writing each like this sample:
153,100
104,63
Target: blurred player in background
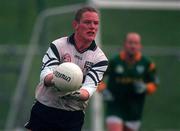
131,76
54,111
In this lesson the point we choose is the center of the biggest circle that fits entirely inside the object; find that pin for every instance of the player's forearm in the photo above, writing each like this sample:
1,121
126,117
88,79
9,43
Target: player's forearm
84,94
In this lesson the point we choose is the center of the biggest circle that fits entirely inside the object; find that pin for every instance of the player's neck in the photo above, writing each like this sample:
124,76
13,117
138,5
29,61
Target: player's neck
81,44
130,58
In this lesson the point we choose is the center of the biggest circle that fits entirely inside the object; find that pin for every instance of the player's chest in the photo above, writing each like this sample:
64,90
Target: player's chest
84,60
131,70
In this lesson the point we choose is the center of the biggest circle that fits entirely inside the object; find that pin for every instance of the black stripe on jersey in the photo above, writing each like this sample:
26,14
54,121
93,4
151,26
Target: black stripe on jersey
92,77
55,51
51,64
48,56
94,72
96,77
50,60
54,63
101,63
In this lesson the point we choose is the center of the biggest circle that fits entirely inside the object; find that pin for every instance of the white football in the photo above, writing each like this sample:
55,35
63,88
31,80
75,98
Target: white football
68,77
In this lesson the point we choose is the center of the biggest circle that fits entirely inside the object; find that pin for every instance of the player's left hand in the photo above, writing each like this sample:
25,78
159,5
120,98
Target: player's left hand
140,87
72,95
101,86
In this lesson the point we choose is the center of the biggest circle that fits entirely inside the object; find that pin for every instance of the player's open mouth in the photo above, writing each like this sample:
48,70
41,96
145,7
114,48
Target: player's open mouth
90,33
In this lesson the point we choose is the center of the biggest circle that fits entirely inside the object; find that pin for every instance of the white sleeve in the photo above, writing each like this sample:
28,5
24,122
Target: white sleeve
50,61
94,76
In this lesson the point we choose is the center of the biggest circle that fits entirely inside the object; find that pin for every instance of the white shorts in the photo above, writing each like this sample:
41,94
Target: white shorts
134,125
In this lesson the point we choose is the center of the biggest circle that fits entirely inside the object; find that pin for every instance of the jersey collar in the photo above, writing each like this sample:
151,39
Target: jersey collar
92,47
137,56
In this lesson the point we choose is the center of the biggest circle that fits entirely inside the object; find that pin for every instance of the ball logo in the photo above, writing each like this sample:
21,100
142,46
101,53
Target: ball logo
63,76
67,77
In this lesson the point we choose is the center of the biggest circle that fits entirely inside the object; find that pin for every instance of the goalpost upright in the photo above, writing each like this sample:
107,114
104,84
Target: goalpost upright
98,119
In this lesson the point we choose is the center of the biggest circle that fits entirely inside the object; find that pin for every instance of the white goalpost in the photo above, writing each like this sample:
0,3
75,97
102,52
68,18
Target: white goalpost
98,118
137,4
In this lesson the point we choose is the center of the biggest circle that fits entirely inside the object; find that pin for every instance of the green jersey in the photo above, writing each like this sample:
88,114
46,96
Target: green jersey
126,103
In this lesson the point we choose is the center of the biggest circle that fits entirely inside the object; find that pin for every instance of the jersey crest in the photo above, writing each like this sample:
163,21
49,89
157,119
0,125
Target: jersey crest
119,69
66,58
140,69
87,66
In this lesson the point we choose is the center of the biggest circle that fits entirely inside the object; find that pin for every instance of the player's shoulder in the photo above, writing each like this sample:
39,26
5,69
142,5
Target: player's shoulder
59,40
146,59
150,63
99,53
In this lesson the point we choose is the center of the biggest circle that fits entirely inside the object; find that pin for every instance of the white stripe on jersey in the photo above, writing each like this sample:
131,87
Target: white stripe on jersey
92,61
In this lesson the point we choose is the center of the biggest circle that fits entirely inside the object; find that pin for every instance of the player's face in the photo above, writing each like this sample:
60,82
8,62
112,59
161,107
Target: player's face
87,27
132,44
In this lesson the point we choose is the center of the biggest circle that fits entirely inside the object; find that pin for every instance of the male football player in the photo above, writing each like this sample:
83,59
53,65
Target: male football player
131,76
54,111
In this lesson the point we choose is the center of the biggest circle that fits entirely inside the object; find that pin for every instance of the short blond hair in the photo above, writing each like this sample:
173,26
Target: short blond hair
80,12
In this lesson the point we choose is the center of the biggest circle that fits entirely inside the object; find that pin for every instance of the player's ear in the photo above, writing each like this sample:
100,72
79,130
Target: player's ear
75,24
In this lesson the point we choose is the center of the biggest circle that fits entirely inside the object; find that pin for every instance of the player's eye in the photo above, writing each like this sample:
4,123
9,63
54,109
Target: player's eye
96,22
87,22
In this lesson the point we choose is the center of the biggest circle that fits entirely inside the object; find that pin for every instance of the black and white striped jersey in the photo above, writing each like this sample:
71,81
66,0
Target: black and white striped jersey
92,61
